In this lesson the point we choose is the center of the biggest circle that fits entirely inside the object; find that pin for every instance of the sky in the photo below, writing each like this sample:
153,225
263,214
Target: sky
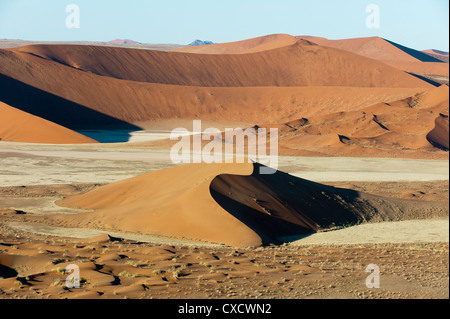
418,24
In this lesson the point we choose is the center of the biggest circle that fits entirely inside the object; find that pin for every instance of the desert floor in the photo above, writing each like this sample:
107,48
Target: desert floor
413,256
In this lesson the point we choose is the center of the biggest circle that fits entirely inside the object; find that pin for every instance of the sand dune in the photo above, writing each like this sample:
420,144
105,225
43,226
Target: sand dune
434,98
438,136
18,126
172,202
227,203
258,44
395,55
300,64
133,89
162,232
410,127
425,68
440,55
388,52
93,101
375,48
416,123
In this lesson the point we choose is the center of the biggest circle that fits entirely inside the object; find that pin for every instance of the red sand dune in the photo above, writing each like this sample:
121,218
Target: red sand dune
94,87
438,54
438,136
425,68
18,126
436,98
226,203
258,44
299,64
375,48
138,102
393,54
417,123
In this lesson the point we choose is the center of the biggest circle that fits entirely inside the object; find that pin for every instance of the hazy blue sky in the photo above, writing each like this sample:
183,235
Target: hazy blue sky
420,24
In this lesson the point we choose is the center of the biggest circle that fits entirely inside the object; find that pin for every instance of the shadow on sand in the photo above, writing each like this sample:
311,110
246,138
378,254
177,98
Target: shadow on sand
61,111
282,208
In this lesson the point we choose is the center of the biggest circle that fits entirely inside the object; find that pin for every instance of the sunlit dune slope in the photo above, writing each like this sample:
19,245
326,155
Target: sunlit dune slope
19,126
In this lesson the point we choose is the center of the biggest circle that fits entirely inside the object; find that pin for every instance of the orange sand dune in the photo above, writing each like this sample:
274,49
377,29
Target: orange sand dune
171,202
225,203
438,136
300,64
417,124
440,55
433,51
18,126
375,48
107,101
426,68
258,44
435,98
391,53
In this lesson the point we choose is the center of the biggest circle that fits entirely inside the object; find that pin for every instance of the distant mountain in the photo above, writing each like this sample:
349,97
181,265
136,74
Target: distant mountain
200,42
123,41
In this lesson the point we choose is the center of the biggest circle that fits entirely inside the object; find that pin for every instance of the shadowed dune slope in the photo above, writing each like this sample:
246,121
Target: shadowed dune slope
419,55
54,108
300,64
228,203
440,55
19,126
375,48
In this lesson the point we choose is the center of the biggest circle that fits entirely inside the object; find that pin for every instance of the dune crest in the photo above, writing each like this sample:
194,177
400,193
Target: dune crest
258,44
